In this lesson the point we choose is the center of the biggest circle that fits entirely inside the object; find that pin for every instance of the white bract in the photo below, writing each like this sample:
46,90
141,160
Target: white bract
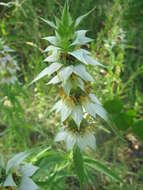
82,140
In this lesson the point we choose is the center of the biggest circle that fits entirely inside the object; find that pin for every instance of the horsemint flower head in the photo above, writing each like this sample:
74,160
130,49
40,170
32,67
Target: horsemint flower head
8,66
68,61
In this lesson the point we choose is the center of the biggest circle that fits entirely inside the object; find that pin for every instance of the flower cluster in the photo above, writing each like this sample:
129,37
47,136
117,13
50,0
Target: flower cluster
68,61
8,66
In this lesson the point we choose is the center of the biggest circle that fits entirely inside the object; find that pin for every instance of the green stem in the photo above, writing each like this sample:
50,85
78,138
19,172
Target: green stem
79,165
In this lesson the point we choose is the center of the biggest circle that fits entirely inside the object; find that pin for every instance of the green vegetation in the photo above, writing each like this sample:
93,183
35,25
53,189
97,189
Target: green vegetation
84,69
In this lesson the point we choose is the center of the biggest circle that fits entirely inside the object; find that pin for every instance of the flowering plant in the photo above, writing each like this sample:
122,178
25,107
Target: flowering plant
78,106
68,61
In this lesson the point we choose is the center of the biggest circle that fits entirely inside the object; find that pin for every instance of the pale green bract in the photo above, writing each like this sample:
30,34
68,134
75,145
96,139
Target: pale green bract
81,140
84,57
81,39
81,72
77,114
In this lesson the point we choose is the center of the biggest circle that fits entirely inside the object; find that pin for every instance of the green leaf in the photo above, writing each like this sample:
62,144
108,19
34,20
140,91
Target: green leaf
100,167
48,71
123,120
81,71
27,183
79,19
79,165
9,182
137,128
66,17
49,23
77,114
16,160
114,106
